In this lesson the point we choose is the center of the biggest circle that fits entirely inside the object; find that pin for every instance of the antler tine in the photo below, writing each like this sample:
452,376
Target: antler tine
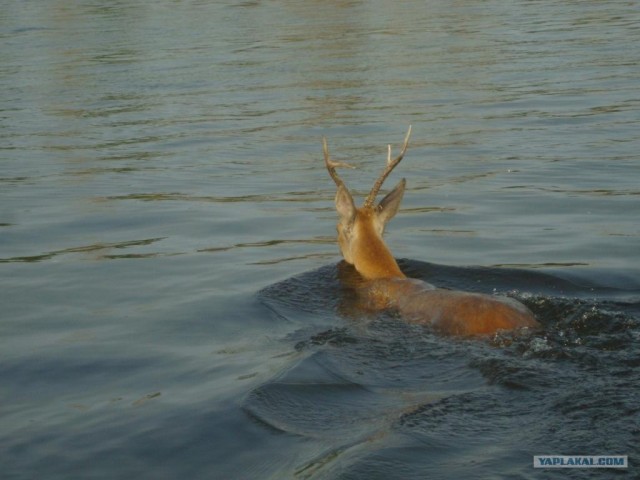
391,164
331,165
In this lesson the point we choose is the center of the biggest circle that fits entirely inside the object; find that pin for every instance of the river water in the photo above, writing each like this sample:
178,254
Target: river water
171,304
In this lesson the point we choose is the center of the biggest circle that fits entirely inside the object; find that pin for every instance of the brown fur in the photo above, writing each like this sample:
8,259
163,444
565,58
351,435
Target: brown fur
386,287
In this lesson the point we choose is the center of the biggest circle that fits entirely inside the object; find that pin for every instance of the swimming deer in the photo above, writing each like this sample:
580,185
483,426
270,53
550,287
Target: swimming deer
383,286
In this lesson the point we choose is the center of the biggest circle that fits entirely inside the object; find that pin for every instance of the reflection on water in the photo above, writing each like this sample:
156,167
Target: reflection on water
161,163
92,249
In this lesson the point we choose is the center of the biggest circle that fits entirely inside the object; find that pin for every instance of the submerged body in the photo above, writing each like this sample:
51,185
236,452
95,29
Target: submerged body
384,286
446,311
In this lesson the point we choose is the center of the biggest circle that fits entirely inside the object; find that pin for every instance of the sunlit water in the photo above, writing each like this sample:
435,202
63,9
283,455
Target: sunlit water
170,302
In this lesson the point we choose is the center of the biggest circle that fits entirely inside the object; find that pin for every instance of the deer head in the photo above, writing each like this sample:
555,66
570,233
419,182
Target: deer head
360,229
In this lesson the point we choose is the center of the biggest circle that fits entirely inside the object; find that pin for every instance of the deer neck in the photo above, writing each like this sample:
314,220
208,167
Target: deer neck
371,257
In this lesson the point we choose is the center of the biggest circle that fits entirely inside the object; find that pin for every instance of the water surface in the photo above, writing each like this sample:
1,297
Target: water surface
170,304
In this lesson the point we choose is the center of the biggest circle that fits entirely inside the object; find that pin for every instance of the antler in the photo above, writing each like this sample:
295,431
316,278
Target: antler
331,165
391,164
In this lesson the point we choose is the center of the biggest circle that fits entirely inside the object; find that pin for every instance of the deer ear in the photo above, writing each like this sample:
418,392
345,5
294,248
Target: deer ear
344,205
389,205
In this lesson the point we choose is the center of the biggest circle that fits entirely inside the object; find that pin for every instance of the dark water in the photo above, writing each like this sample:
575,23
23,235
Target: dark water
378,398
170,306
